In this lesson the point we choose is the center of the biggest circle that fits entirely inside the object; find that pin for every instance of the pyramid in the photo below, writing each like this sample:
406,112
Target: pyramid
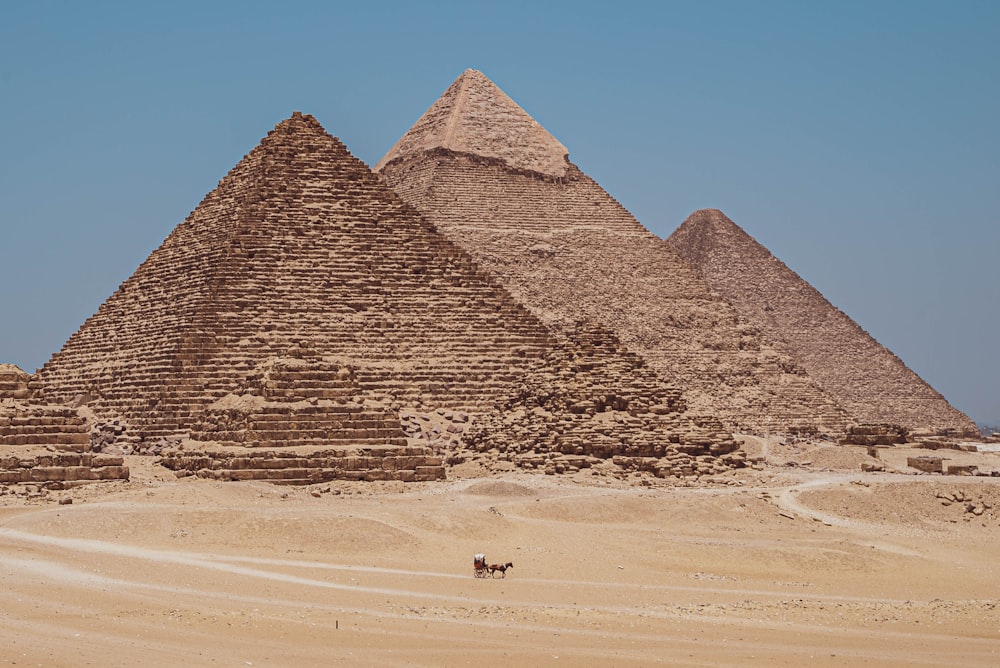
491,179
303,322
869,381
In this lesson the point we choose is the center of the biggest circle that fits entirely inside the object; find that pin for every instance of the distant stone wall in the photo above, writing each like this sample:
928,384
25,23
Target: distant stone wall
34,424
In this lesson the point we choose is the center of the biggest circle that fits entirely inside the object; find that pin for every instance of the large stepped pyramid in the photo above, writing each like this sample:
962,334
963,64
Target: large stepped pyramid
863,376
282,330
493,180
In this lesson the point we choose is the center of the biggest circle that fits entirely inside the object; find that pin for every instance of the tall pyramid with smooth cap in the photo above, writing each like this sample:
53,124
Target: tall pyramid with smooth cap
304,323
872,383
493,180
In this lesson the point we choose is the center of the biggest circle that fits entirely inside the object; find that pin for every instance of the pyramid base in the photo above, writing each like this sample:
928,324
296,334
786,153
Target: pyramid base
307,466
29,466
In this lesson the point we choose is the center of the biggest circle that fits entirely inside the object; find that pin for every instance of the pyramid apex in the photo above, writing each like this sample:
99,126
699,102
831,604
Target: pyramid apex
709,215
299,129
702,229
475,116
300,121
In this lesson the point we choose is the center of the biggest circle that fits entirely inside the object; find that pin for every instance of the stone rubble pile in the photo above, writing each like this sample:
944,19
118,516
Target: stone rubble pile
571,418
973,506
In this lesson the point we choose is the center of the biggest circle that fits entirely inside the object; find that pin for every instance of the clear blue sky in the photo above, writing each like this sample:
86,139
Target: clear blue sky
859,141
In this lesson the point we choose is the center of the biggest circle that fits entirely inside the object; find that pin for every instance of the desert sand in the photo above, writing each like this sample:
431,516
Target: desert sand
803,560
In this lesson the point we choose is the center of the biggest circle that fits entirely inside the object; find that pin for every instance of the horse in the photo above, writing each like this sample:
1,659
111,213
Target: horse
500,567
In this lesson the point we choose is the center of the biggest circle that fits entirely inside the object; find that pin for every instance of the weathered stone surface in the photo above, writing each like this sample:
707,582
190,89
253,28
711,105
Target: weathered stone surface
49,443
866,379
926,464
301,258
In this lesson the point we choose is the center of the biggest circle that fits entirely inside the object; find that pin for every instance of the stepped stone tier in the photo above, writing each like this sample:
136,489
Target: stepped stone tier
495,182
45,444
284,329
868,380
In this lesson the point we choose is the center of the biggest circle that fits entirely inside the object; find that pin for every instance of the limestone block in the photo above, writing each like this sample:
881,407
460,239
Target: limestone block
926,464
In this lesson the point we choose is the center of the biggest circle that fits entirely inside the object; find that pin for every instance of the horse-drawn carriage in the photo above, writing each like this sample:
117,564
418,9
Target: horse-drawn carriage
481,569
479,566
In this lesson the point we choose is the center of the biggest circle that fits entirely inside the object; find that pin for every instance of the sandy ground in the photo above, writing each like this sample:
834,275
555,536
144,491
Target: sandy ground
806,561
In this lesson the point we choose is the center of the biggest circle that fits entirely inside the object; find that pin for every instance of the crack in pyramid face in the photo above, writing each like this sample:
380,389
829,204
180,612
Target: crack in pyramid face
475,116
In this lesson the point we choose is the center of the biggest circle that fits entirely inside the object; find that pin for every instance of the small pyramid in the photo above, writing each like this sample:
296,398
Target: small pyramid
44,443
474,116
304,323
868,380
567,250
